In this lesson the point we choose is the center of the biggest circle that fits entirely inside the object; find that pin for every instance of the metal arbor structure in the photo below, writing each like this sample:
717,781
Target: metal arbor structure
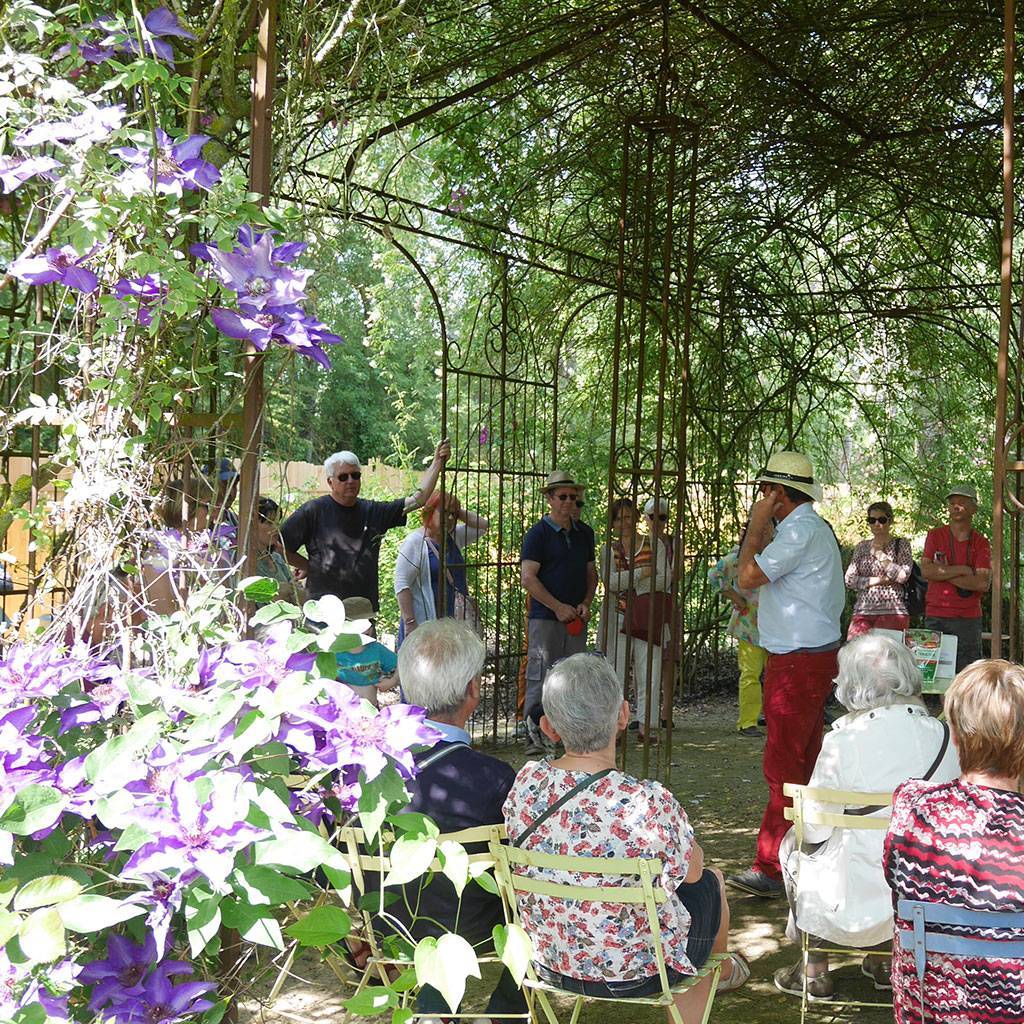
715,432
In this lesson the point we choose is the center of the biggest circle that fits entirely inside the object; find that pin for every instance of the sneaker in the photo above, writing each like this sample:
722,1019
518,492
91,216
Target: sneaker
752,731
634,725
877,968
761,721
791,981
522,733
757,883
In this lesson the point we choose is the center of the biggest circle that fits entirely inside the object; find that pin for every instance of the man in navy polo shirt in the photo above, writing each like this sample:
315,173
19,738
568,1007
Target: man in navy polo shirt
440,664
558,572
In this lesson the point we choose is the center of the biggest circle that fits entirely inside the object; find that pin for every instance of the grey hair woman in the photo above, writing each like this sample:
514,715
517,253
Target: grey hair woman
836,889
609,813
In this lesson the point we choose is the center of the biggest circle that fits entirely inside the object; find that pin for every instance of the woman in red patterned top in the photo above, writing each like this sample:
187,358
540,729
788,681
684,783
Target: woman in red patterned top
878,571
962,844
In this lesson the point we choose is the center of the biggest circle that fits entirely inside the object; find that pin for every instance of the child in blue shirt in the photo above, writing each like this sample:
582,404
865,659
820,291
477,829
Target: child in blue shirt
371,668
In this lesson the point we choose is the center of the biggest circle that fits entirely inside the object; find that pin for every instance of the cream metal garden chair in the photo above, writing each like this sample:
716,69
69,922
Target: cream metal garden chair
613,890
364,861
802,815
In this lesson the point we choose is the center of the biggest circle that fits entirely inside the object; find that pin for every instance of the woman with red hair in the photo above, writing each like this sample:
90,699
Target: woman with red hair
418,568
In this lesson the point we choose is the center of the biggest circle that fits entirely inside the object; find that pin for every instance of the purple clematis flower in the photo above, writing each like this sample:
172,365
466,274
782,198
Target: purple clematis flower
161,24
289,326
122,974
256,270
179,166
202,835
147,291
16,170
160,1001
62,265
19,989
90,126
163,897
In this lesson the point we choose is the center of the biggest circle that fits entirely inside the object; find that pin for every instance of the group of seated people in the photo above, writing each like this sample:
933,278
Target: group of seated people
956,835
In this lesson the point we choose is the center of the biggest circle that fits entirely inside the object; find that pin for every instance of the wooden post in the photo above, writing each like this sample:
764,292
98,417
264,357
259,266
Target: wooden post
1005,311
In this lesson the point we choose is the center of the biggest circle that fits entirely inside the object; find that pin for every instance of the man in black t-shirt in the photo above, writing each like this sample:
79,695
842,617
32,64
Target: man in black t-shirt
557,571
341,532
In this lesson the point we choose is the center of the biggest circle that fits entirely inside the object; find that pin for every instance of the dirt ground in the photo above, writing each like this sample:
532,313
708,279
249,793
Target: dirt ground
716,774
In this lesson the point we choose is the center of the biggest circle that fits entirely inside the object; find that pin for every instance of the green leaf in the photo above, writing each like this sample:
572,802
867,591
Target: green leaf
45,891
341,883
301,851
9,925
410,857
262,885
254,924
485,880
202,917
405,982
91,912
376,798
401,1015
370,1002
34,807
320,927
276,611
327,665
413,822
7,889
41,936
132,838
455,864
514,948
446,963
113,762
258,589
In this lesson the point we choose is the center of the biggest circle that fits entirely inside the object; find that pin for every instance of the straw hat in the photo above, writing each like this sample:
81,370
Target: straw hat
558,478
791,469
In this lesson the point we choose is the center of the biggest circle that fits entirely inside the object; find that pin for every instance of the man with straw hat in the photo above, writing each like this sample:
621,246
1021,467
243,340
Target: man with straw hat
558,572
800,576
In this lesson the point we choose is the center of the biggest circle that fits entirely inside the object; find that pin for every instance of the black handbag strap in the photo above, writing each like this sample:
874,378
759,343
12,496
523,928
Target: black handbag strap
558,804
943,747
436,755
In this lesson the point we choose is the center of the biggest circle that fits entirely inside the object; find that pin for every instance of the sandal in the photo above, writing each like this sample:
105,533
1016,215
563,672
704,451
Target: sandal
740,973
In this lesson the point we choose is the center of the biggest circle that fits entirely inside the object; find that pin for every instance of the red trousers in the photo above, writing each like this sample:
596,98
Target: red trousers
796,687
861,624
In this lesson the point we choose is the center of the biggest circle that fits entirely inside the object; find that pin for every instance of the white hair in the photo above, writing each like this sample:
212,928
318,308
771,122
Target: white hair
582,699
332,462
874,672
436,663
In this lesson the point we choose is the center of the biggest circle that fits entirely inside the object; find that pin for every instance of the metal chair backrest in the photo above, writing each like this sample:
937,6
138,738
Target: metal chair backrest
862,808
924,938
615,892
372,858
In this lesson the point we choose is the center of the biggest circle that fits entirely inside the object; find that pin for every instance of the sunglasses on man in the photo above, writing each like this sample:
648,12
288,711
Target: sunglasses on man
564,497
344,477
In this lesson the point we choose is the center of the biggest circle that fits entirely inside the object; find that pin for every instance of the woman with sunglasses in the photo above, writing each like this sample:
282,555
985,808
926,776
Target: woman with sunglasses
879,571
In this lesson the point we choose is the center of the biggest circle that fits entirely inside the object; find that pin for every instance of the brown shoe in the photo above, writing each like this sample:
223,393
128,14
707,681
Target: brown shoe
877,968
791,981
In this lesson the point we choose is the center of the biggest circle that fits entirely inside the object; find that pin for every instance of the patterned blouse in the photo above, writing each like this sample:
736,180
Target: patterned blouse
722,577
619,816
886,598
963,845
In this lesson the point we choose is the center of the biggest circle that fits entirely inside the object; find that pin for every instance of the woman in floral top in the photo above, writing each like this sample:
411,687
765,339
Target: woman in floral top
879,571
580,947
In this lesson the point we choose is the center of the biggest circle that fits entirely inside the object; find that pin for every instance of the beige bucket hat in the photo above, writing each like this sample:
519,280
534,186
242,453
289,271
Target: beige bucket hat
791,469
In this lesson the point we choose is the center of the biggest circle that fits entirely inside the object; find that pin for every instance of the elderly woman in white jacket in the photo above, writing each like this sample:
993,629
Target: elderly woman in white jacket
634,565
418,567
835,884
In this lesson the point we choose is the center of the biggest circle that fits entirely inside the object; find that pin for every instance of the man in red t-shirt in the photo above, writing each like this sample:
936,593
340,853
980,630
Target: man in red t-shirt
957,563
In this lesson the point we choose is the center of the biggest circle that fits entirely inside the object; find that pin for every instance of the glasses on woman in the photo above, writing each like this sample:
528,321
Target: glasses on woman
881,520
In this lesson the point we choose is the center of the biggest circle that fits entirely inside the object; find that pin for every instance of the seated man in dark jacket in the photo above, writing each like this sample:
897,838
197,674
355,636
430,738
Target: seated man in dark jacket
440,664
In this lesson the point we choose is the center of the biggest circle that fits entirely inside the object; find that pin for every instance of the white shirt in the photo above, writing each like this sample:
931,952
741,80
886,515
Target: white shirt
801,605
842,895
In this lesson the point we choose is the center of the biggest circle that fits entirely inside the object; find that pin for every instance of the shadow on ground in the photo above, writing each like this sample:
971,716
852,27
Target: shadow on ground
716,774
